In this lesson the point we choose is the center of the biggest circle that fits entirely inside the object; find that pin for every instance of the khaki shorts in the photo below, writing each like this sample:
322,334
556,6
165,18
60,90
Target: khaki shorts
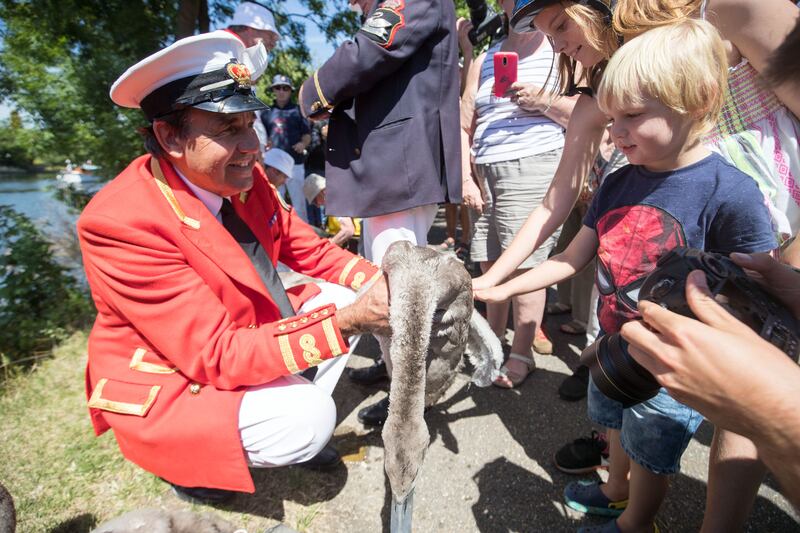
513,189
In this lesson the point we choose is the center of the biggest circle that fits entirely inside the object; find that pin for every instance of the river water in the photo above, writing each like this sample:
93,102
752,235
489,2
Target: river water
35,196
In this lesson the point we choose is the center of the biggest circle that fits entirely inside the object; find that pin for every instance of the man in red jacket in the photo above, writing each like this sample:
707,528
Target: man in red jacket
199,359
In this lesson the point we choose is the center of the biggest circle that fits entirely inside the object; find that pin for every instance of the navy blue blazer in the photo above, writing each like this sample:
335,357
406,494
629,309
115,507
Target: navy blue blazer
392,94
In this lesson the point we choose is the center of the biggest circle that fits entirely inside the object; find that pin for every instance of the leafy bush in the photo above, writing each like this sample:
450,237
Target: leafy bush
75,199
40,304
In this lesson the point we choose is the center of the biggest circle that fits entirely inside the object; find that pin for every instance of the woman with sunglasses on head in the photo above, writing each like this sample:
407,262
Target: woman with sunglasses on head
754,133
511,146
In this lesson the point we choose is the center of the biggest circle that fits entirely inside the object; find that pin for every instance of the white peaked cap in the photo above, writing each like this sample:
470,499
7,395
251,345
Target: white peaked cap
254,16
186,57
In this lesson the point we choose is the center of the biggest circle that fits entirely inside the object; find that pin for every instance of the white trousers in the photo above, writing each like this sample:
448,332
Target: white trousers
410,225
295,187
290,419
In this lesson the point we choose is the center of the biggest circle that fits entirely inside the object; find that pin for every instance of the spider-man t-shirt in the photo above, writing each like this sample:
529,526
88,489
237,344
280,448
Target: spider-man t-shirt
640,215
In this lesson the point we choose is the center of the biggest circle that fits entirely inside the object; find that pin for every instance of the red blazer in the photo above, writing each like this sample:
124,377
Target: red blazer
184,323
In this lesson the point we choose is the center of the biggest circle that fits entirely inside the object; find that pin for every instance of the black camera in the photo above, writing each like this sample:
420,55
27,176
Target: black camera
621,378
485,22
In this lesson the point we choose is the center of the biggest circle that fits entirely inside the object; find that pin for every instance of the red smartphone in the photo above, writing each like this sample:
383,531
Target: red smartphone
505,72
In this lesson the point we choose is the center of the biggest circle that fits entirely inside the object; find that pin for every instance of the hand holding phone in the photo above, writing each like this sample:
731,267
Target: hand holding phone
505,72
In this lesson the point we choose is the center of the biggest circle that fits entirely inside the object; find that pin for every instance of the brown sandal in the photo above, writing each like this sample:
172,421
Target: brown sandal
542,343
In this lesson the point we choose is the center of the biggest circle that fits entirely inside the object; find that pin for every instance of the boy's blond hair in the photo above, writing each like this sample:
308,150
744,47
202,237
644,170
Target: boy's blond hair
683,65
634,17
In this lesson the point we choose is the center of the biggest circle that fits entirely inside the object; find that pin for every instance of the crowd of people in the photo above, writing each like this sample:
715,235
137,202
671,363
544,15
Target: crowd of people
633,127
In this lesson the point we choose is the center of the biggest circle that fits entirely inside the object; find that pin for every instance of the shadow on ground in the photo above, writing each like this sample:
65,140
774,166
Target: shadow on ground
513,498
82,522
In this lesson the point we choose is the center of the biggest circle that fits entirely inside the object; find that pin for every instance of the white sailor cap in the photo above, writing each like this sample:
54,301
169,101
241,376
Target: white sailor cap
279,159
254,16
203,71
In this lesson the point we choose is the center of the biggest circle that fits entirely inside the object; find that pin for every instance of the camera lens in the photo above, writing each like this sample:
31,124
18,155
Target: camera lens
616,373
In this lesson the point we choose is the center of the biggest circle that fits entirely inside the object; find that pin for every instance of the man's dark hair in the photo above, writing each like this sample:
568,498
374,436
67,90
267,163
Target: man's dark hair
176,119
238,28
783,65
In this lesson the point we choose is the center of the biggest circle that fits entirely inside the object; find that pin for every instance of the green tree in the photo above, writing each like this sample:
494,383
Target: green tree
59,58
15,148
39,302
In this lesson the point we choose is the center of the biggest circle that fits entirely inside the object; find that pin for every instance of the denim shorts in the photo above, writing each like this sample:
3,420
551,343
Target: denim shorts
654,433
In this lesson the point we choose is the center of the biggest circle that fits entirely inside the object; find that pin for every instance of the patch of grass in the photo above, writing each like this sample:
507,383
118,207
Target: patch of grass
63,478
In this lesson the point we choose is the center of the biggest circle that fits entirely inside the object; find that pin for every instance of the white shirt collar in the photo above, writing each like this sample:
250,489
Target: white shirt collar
212,201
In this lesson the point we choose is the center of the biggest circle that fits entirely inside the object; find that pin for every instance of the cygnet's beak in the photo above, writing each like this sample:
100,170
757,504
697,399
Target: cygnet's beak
402,512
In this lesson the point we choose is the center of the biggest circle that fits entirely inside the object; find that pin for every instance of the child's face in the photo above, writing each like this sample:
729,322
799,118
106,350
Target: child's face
650,134
275,176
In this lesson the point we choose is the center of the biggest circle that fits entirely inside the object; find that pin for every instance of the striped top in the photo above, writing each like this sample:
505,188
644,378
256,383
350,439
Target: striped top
505,131
758,135
747,102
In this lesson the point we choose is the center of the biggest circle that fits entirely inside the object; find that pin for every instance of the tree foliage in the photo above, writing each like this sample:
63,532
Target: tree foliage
59,58
18,144
39,302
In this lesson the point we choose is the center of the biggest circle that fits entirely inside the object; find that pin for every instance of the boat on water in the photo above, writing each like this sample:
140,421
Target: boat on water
80,177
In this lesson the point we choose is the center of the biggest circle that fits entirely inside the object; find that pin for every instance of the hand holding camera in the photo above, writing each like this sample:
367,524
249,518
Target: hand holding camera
723,296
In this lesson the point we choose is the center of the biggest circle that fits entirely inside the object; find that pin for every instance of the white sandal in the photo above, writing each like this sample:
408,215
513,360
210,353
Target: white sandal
514,377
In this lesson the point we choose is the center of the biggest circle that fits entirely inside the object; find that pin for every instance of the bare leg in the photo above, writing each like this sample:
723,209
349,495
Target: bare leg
496,314
466,224
647,492
619,465
734,475
450,217
528,310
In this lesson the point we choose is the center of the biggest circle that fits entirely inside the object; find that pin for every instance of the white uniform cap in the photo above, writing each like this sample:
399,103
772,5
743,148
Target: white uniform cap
277,158
200,67
312,186
183,58
254,16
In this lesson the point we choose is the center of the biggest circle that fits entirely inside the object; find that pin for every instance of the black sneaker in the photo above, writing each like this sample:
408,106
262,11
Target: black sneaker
574,387
583,455
326,459
375,414
369,375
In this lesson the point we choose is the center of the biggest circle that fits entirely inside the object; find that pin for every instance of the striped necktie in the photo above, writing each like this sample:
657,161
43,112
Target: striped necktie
258,256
